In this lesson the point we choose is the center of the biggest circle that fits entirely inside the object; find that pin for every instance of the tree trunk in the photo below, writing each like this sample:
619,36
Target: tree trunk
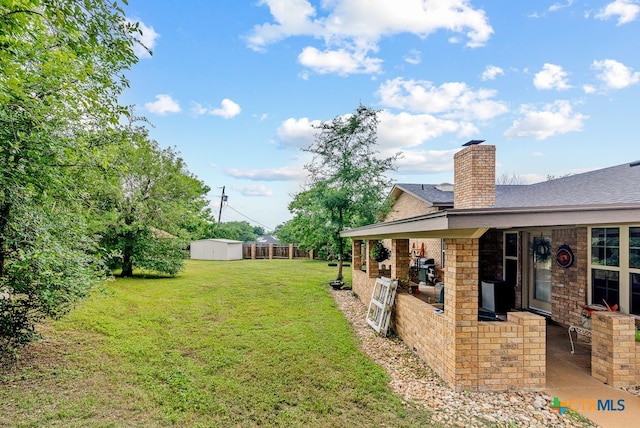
340,257
127,256
340,248
4,218
127,266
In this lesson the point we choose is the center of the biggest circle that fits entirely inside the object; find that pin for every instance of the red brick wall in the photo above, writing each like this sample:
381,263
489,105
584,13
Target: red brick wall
475,177
569,285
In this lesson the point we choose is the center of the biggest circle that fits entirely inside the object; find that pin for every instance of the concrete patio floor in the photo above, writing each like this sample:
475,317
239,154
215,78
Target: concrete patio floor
569,378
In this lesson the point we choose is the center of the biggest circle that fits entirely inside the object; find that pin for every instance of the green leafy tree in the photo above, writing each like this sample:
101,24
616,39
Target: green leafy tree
61,72
347,184
288,233
237,230
152,204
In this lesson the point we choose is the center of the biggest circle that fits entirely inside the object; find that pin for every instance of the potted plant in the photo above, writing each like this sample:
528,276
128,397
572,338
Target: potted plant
379,252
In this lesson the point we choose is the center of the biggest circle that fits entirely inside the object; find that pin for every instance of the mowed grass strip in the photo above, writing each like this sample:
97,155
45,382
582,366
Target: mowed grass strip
240,343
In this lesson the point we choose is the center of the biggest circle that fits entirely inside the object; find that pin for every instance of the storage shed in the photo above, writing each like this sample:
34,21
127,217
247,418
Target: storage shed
216,249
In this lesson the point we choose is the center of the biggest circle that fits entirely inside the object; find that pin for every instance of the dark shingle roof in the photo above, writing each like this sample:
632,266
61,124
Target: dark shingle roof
613,185
436,194
616,184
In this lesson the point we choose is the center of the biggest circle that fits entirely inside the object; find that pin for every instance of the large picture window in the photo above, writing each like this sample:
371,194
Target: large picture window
615,267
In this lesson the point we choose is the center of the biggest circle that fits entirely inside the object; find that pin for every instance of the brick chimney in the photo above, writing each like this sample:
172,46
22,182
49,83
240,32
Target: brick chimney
475,176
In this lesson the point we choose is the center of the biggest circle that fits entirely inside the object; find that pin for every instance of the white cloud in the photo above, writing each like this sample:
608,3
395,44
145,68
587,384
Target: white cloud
414,57
164,104
198,109
297,133
228,109
615,75
146,40
338,61
491,72
274,174
351,29
557,6
404,130
426,161
626,11
589,89
452,100
254,190
551,77
553,119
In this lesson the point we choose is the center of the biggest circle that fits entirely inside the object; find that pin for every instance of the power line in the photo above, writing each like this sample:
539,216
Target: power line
249,218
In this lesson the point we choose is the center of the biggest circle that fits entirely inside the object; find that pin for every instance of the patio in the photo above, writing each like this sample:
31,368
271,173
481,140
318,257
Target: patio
562,366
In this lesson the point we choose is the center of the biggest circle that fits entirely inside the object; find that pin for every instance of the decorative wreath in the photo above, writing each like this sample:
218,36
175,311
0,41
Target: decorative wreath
379,252
541,249
564,256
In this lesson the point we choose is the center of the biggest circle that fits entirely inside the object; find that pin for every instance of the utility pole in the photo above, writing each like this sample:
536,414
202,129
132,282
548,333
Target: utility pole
223,198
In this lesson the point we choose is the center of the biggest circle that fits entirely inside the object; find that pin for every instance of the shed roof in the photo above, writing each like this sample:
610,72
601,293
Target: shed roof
226,241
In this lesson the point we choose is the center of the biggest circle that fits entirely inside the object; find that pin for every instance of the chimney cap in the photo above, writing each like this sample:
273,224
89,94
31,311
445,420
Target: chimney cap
472,143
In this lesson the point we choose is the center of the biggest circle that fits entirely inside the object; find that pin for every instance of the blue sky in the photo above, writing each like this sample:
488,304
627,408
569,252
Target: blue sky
235,86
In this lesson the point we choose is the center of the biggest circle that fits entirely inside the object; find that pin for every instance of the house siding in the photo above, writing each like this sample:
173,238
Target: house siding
407,205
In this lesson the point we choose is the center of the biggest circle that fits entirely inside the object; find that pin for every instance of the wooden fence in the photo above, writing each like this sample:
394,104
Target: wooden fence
275,251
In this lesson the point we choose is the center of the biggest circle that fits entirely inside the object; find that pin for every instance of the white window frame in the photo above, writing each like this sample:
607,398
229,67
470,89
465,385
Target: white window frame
504,252
623,269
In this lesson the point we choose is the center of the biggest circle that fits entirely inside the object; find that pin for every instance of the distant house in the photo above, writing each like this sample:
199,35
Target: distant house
558,244
216,249
266,239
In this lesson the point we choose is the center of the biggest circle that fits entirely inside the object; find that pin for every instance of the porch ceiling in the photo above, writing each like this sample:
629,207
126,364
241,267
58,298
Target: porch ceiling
472,223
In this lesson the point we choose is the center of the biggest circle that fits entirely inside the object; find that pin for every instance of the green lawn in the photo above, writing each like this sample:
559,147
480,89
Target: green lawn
239,343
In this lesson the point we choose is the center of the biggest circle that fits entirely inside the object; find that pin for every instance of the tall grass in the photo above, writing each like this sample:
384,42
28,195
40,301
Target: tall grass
240,343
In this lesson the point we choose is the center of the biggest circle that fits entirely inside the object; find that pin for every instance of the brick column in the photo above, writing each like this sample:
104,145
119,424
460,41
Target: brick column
290,251
253,251
270,251
372,266
356,251
461,309
400,258
534,339
613,348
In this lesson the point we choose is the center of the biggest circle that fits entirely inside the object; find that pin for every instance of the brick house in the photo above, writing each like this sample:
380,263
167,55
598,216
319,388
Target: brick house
560,244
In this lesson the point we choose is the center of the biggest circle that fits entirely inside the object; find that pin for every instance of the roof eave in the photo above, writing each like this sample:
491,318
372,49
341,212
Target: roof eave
473,222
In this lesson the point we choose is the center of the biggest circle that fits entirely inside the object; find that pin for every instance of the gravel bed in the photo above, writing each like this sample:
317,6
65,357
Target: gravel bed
412,379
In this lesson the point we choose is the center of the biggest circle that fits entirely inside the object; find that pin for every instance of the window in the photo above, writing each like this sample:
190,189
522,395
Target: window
615,267
605,246
634,247
510,270
634,270
634,280
443,251
606,286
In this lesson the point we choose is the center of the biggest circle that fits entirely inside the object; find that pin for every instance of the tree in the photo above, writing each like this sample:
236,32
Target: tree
62,63
287,233
513,179
237,230
347,184
152,203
